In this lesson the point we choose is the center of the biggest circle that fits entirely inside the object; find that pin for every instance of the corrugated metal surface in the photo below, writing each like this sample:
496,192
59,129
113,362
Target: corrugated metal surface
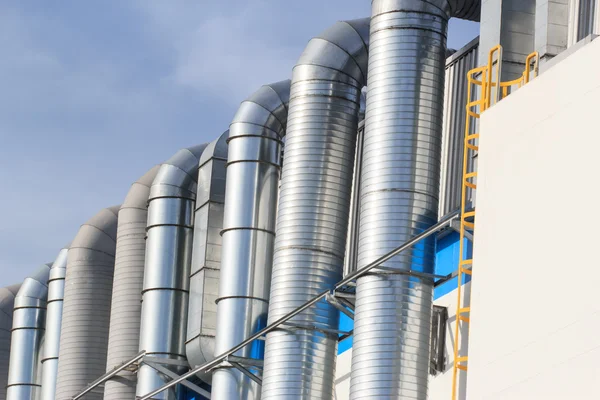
399,192
56,294
86,309
584,19
206,254
7,300
126,311
314,207
29,318
167,267
455,100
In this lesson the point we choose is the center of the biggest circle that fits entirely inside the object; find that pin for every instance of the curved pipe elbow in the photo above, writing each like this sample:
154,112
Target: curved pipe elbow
29,319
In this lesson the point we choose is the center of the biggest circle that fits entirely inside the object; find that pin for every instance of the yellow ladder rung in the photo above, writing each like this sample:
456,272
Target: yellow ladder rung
472,147
469,225
464,310
468,214
466,271
466,262
464,319
471,175
473,136
462,359
473,113
471,185
462,367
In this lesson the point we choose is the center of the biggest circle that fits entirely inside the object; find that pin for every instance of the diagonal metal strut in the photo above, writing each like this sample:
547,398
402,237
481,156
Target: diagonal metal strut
443,223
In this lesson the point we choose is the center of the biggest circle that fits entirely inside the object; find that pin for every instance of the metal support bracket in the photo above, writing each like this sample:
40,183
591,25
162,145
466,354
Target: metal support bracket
167,372
340,304
246,372
456,227
446,221
107,376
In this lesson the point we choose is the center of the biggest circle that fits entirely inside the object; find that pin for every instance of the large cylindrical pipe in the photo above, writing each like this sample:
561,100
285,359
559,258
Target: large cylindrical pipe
167,267
54,312
126,309
29,318
206,255
255,140
7,301
312,219
399,194
86,307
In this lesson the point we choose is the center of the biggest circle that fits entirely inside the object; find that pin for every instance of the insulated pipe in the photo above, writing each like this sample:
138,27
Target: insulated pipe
206,254
56,293
255,139
399,194
126,309
86,307
167,267
7,301
29,317
312,220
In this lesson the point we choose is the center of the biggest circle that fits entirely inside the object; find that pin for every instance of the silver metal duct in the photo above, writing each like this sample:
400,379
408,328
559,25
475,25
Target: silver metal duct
312,220
86,307
255,142
206,254
54,312
126,309
399,195
7,300
29,317
167,267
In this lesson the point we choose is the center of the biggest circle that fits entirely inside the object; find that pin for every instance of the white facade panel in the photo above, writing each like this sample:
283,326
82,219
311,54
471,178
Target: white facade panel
535,317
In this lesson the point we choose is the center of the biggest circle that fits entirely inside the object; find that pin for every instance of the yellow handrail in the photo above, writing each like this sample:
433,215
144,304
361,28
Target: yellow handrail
474,109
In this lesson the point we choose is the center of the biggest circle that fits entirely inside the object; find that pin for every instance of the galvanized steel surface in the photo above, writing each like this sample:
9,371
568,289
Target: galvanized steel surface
399,198
54,312
206,254
312,219
86,307
7,300
126,310
455,98
255,140
167,266
29,317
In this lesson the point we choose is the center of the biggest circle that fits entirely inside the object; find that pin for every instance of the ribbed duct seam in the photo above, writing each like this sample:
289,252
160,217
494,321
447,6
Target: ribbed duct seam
86,306
399,196
29,317
206,255
126,309
253,165
169,233
7,300
312,219
54,312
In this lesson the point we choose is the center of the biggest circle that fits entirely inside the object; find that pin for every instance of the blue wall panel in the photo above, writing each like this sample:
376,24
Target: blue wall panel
446,262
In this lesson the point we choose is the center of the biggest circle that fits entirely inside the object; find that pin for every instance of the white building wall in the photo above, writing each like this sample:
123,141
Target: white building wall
535,320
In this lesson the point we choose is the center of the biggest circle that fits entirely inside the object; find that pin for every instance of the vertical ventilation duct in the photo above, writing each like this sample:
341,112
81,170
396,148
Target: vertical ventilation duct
399,194
206,255
167,267
126,309
7,301
255,139
312,219
54,312
29,317
86,308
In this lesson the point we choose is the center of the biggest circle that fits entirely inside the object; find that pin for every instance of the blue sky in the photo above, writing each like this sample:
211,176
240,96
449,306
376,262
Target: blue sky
94,93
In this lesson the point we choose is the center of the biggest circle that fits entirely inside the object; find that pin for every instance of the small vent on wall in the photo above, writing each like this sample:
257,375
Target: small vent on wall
438,340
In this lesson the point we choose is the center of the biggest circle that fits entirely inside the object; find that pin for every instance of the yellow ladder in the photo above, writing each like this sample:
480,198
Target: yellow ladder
485,84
